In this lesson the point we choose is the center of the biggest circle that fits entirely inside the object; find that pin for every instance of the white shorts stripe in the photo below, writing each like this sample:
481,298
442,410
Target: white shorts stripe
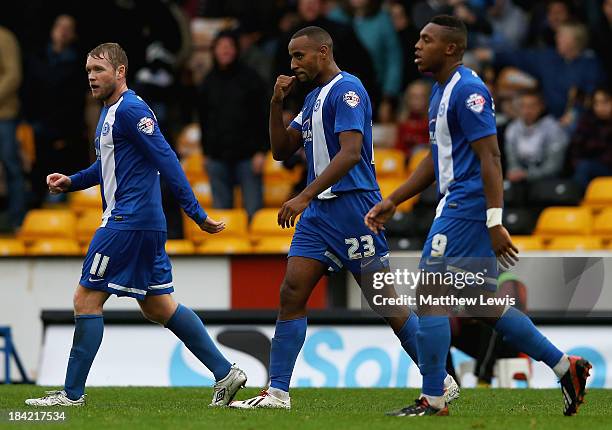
161,287
103,265
126,289
94,264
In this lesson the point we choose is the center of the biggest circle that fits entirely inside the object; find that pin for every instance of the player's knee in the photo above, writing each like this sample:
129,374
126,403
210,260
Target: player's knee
291,296
85,303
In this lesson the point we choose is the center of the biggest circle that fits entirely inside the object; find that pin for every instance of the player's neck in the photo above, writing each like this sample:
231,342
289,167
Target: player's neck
326,75
442,76
116,95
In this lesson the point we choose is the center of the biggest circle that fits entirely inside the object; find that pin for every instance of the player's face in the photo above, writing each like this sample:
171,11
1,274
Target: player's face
102,77
429,54
306,58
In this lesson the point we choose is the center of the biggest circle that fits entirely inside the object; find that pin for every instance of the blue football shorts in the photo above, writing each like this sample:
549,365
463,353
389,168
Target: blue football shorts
130,263
333,231
460,246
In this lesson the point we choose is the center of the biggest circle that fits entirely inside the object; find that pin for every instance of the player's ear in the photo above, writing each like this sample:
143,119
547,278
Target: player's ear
120,72
451,49
324,51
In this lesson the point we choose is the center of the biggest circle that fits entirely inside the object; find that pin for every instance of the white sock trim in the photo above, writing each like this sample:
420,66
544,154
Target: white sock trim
279,394
562,366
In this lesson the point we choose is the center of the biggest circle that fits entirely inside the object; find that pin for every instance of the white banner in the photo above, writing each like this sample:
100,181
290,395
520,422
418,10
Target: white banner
332,356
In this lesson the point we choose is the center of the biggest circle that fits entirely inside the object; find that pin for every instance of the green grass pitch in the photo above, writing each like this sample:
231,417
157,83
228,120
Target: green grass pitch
313,408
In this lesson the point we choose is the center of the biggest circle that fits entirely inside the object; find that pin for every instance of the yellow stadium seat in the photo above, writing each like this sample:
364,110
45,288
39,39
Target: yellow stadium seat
575,243
528,243
12,248
273,245
48,223
179,247
389,163
265,224
81,201
193,166
564,220
602,225
229,245
599,192
415,159
87,224
203,192
54,247
276,193
388,185
236,221
275,171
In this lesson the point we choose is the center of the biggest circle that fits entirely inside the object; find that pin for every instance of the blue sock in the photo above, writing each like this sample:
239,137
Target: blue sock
88,330
407,336
518,330
286,345
189,328
433,340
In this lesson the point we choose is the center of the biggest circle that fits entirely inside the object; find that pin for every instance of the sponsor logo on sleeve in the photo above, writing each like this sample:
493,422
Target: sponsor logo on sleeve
351,98
476,102
146,125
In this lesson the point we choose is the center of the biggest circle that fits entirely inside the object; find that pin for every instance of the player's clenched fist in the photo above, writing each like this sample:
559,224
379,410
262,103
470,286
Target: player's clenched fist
282,87
58,183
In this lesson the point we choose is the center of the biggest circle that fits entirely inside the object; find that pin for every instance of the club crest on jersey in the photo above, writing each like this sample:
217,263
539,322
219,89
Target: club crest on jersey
317,105
441,109
146,125
105,129
351,98
476,102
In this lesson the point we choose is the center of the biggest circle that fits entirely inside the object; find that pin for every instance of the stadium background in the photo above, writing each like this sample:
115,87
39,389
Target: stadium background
233,278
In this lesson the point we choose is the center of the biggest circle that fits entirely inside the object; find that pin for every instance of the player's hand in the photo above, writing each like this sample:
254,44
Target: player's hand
382,212
211,226
291,209
507,253
58,183
282,87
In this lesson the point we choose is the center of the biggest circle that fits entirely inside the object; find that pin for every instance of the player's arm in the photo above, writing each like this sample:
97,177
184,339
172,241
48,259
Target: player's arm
283,140
154,146
348,156
59,183
423,177
487,150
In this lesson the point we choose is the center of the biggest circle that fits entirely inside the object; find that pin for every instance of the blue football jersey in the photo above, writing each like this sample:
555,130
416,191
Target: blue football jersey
460,112
131,154
340,105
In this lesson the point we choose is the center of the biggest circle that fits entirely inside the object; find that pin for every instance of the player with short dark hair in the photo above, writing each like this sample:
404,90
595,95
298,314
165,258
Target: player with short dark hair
127,256
467,233
335,129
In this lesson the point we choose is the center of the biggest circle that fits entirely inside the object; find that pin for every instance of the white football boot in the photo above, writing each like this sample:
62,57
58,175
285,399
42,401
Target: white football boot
451,389
264,400
56,398
225,390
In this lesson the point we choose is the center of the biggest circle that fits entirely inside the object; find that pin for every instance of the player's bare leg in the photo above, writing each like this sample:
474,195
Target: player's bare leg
89,327
189,328
300,279
518,330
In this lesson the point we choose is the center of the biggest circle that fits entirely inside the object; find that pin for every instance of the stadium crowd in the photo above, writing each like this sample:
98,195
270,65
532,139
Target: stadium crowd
207,67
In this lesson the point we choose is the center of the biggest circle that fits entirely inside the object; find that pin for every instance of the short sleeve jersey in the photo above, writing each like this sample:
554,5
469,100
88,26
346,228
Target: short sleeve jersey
340,105
460,112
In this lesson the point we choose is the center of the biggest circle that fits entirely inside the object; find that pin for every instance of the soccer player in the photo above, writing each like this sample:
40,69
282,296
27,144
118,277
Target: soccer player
126,256
335,128
467,232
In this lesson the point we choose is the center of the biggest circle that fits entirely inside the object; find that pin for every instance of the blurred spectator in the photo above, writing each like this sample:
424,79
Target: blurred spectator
535,143
413,126
408,35
10,79
375,29
349,53
233,117
559,70
423,11
602,35
54,73
509,26
591,147
251,53
547,18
